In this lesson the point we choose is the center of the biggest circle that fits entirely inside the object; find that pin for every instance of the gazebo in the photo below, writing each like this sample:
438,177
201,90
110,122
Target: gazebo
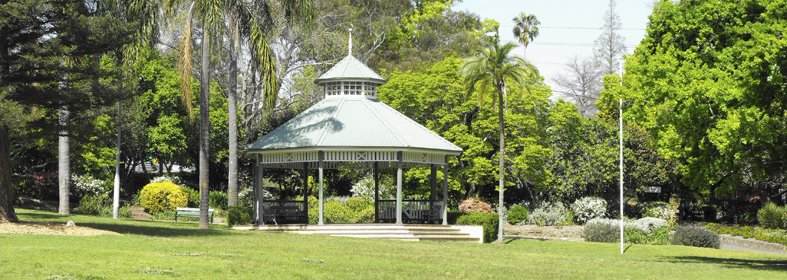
350,125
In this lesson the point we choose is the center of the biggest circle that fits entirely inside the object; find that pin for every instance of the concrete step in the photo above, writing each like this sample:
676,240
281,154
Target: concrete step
382,231
362,232
351,227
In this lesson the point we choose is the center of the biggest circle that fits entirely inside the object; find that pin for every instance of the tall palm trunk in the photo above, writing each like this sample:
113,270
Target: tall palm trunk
63,164
501,91
204,129
232,185
7,213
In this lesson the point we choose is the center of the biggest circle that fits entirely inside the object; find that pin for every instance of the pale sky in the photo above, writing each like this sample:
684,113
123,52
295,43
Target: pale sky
568,27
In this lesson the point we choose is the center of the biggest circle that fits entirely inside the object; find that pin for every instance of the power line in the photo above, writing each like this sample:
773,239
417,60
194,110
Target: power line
577,27
569,44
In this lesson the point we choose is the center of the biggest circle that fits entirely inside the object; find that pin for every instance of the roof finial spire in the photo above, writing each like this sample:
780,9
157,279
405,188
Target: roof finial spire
350,47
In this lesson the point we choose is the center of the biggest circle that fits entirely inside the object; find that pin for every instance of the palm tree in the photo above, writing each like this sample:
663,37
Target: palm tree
525,29
240,23
249,20
493,66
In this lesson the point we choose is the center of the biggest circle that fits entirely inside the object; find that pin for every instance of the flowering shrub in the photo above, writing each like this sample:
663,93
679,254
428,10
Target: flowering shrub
87,185
157,197
587,208
663,210
365,188
601,230
549,214
474,205
166,178
643,231
648,224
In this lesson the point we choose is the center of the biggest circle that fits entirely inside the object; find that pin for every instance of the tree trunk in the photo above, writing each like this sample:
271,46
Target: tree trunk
63,164
232,185
7,213
502,168
204,129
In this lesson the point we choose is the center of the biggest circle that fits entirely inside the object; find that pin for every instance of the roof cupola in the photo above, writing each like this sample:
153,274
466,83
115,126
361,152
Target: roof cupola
350,77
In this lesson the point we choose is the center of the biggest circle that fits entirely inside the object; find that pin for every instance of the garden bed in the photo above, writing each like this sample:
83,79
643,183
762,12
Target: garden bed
776,236
565,233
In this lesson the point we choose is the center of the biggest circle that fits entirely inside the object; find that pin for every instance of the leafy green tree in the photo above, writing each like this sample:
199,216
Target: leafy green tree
436,97
494,66
525,30
49,59
707,82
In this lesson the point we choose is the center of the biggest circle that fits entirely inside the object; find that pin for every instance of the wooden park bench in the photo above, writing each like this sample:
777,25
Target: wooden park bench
191,212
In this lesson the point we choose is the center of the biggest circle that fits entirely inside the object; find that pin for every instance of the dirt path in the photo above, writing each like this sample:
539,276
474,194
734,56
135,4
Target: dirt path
138,213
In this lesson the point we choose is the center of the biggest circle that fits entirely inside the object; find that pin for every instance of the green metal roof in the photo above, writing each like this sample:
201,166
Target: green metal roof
350,68
342,122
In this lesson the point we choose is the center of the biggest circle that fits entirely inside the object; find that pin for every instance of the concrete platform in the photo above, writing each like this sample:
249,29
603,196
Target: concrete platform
453,233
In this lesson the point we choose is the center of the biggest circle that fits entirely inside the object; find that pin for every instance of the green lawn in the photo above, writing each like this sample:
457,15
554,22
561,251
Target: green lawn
160,250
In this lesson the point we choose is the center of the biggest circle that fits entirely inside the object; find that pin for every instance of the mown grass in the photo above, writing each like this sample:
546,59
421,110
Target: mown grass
162,250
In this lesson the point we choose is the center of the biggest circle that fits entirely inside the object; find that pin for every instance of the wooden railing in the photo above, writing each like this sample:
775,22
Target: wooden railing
285,212
413,211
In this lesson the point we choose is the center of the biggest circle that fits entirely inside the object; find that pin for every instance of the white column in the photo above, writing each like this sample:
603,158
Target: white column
445,193
320,222
376,175
260,193
621,173
305,184
399,190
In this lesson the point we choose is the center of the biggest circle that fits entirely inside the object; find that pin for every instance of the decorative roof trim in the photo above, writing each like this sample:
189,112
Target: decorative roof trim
252,153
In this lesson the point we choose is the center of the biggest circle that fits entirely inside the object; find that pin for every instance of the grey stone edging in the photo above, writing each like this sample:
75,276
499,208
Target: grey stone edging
751,243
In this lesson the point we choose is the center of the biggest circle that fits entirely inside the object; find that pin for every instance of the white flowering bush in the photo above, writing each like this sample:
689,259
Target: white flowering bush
166,178
549,214
87,185
648,224
663,210
588,208
365,188
246,196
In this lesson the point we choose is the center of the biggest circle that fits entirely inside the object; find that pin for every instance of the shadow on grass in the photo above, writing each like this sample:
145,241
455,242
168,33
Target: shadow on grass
154,229
780,265
125,226
509,239
39,216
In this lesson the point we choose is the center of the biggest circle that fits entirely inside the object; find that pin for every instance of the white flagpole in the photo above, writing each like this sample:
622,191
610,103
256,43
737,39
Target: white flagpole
621,173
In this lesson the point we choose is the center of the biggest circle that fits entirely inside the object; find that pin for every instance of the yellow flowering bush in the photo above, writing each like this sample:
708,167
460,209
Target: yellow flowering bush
162,196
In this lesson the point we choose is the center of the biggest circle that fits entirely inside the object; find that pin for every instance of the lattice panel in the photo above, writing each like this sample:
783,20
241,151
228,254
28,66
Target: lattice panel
426,158
351,156
288,157
335,165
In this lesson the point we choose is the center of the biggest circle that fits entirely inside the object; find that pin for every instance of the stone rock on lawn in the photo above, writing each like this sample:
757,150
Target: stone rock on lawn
71,224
